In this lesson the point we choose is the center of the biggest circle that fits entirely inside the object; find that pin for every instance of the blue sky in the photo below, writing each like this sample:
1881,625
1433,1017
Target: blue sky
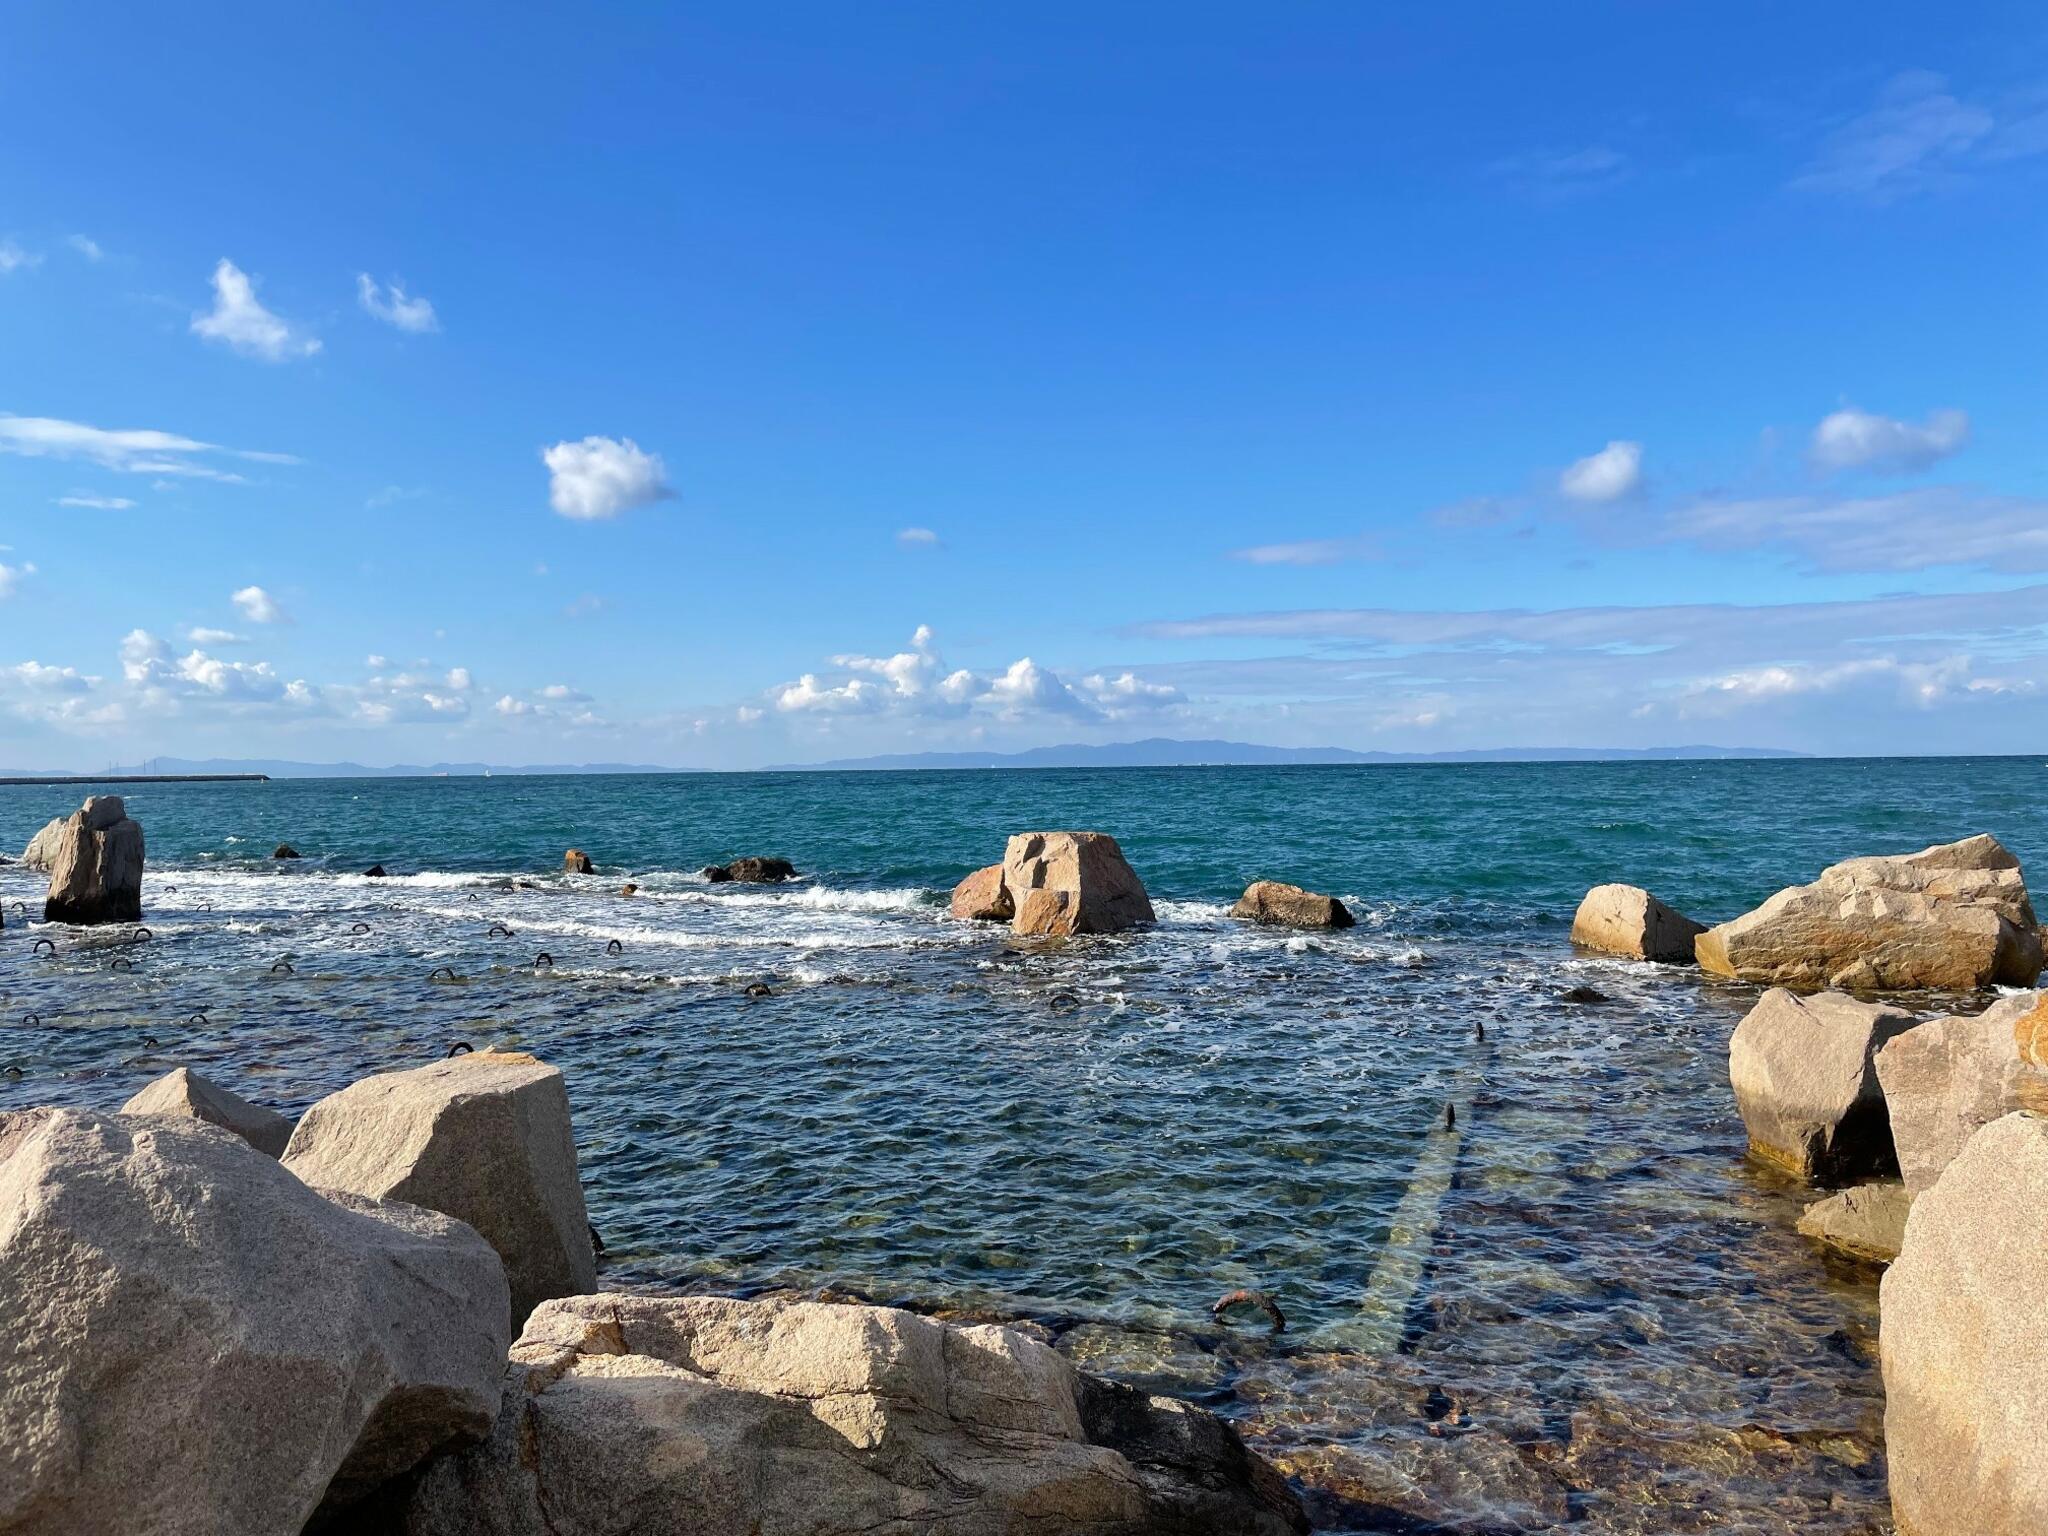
719,386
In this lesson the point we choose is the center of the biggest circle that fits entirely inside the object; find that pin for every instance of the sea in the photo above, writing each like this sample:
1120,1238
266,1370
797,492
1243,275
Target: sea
1496,1188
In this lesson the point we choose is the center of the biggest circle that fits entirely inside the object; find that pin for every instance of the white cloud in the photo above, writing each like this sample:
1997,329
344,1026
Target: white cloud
1916,138
86,247
257,606
1853,439
508,705
132,450
201,635
1554,175
95,503
1309,552
601,477
394,307
746,714
1613,474
239,321
562,693
14,259
458,679
1908,530
33,674
917,538
10,577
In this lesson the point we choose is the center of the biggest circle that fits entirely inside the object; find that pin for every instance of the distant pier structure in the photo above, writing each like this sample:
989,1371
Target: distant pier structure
144,778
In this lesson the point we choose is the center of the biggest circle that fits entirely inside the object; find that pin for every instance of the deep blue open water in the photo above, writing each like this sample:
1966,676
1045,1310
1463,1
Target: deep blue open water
1581,1309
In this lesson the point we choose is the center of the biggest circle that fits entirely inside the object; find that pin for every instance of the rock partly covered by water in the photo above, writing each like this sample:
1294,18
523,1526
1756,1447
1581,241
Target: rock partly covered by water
193,1342
983,898
1867,1221
1628,920
1945,1078
576,862
42,848
787,1418
1289,906
1952,916
1806,1083
95,864
184,1092
484,1138
1064,883
1964,1343
751,871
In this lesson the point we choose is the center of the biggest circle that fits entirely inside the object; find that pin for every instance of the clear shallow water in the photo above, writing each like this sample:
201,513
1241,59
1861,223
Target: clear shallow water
1579,1308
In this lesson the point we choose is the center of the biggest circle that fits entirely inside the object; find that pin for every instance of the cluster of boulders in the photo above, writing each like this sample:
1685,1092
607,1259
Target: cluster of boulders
1955,916
198,1335
1058,884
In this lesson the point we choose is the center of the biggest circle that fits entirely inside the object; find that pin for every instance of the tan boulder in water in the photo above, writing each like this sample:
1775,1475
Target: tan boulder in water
1947,1077
184,1092
193,1343
42,848
983,898
576,862
1866,1221
1952,916
1963,1339
484,1138
700,1416
1627,920
1807,1086
96,866
1289,906
1064,883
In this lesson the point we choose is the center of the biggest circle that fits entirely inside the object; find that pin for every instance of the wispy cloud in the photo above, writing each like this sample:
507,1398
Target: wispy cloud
131,450
1552,175
1912,530
1311,552
86,247
1853,439
14,259
1919,137
239,321
917,538
600,477
93,503
394,306
10,577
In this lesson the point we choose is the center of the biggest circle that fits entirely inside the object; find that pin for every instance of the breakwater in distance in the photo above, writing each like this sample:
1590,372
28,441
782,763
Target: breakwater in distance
1578,1304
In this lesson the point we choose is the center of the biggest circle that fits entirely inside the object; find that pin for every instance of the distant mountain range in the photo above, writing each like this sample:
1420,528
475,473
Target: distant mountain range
1164,752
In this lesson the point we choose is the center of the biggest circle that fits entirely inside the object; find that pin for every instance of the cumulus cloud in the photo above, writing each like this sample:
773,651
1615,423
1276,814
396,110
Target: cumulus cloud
1613,474
239,321
394,306
131,450
600,477
257,606
1853,439
917,682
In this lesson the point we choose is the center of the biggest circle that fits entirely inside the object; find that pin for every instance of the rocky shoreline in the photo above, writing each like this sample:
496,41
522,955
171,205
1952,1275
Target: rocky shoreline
1863,1092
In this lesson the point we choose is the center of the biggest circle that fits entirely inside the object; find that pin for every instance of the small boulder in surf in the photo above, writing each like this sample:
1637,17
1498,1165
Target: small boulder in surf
576,862
285,851
1627,920
1289,906
751,871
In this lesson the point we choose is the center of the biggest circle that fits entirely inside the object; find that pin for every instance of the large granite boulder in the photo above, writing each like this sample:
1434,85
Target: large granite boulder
1953,916
751,871
1627,920
42,848
1963,1339
96,866
1956,1072
184,1092
1866,1221
1289,906
194,1343
700,1416
1807,1086
983,898
484,1138
1064,883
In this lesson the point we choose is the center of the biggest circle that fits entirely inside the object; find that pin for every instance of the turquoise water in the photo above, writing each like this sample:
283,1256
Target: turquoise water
1578,1307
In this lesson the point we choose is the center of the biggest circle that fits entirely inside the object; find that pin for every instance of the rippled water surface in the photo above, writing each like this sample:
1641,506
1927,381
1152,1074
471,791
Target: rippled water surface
1574,1307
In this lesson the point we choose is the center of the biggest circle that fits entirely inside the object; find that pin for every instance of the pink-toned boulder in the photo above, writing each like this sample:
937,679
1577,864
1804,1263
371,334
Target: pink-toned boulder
983,898
1065,883
1627,920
